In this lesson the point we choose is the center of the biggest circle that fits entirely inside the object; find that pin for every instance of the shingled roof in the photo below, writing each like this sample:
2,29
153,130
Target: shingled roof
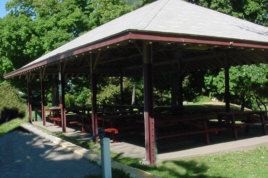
173,17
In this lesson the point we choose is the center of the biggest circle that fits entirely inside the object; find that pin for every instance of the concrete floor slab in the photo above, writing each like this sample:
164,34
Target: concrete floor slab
137,151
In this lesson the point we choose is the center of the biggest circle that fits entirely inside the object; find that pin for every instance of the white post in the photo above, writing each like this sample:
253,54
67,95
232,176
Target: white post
106,158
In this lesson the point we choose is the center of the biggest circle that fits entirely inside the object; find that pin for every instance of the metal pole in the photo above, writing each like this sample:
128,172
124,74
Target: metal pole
148,104
106,158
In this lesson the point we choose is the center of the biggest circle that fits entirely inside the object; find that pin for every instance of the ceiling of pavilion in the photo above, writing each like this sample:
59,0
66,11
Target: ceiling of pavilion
126,59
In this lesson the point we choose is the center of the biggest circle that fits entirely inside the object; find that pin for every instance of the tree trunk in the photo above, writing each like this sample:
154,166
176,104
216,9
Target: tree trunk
133,95
55,93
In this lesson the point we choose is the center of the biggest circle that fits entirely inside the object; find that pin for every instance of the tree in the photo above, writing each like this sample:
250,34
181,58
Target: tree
250,10
247,84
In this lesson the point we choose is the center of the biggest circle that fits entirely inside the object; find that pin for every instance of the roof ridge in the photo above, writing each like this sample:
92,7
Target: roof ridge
156,14
153,13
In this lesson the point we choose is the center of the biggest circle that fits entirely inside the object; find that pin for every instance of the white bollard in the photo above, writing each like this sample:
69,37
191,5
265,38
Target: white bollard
106,158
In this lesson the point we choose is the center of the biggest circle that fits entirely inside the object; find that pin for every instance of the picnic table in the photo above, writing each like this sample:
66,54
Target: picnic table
237,120
54,115
82,120
199,125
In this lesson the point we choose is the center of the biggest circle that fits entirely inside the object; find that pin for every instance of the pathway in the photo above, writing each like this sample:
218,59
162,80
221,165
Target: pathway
24,154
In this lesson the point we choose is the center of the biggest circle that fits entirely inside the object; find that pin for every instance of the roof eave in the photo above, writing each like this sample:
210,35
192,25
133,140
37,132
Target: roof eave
133,34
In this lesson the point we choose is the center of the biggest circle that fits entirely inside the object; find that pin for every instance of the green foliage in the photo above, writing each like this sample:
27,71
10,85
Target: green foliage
69,100
250,10
202,99
103,11
246,83
12,105
110,91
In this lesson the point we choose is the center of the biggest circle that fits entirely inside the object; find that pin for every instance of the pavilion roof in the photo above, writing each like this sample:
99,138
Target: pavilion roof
166,17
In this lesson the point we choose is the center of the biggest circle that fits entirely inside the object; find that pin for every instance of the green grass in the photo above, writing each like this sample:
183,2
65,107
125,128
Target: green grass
8,126
253,163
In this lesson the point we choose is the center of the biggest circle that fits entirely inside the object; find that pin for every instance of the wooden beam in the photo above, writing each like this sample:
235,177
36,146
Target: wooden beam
94,116
62,98
43,112
227,87
148,104
29,93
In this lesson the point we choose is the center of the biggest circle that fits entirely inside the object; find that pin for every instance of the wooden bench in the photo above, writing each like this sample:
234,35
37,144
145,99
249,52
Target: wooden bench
84,122
248,118
201,128
113,132
56,120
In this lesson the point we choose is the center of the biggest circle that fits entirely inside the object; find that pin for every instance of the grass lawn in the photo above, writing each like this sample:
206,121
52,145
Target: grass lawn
8,126
243,164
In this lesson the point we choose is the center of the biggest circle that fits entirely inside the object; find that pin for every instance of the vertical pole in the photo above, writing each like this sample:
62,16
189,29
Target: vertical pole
133,95
94,117
148,104
43,112
121,89
106,158
29,92
62,99
227,90
94,105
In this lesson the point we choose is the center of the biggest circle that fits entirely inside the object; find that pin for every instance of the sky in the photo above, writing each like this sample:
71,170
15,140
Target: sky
3,11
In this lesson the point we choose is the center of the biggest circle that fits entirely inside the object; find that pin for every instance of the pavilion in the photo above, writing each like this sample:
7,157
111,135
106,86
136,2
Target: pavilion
165,36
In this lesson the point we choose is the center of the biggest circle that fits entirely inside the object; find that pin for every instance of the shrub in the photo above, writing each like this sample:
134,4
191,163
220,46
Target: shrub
12,104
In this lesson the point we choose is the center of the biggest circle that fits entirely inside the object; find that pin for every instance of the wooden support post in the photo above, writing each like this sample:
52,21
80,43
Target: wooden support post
227,90
148,104
94,117
62,99
29,93
121,89
262,117
43,112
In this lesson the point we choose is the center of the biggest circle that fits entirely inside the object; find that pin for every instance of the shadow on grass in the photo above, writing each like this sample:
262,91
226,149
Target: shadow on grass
173,168
8,114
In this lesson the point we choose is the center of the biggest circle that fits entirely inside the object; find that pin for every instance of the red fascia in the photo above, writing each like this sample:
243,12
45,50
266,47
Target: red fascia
148,36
